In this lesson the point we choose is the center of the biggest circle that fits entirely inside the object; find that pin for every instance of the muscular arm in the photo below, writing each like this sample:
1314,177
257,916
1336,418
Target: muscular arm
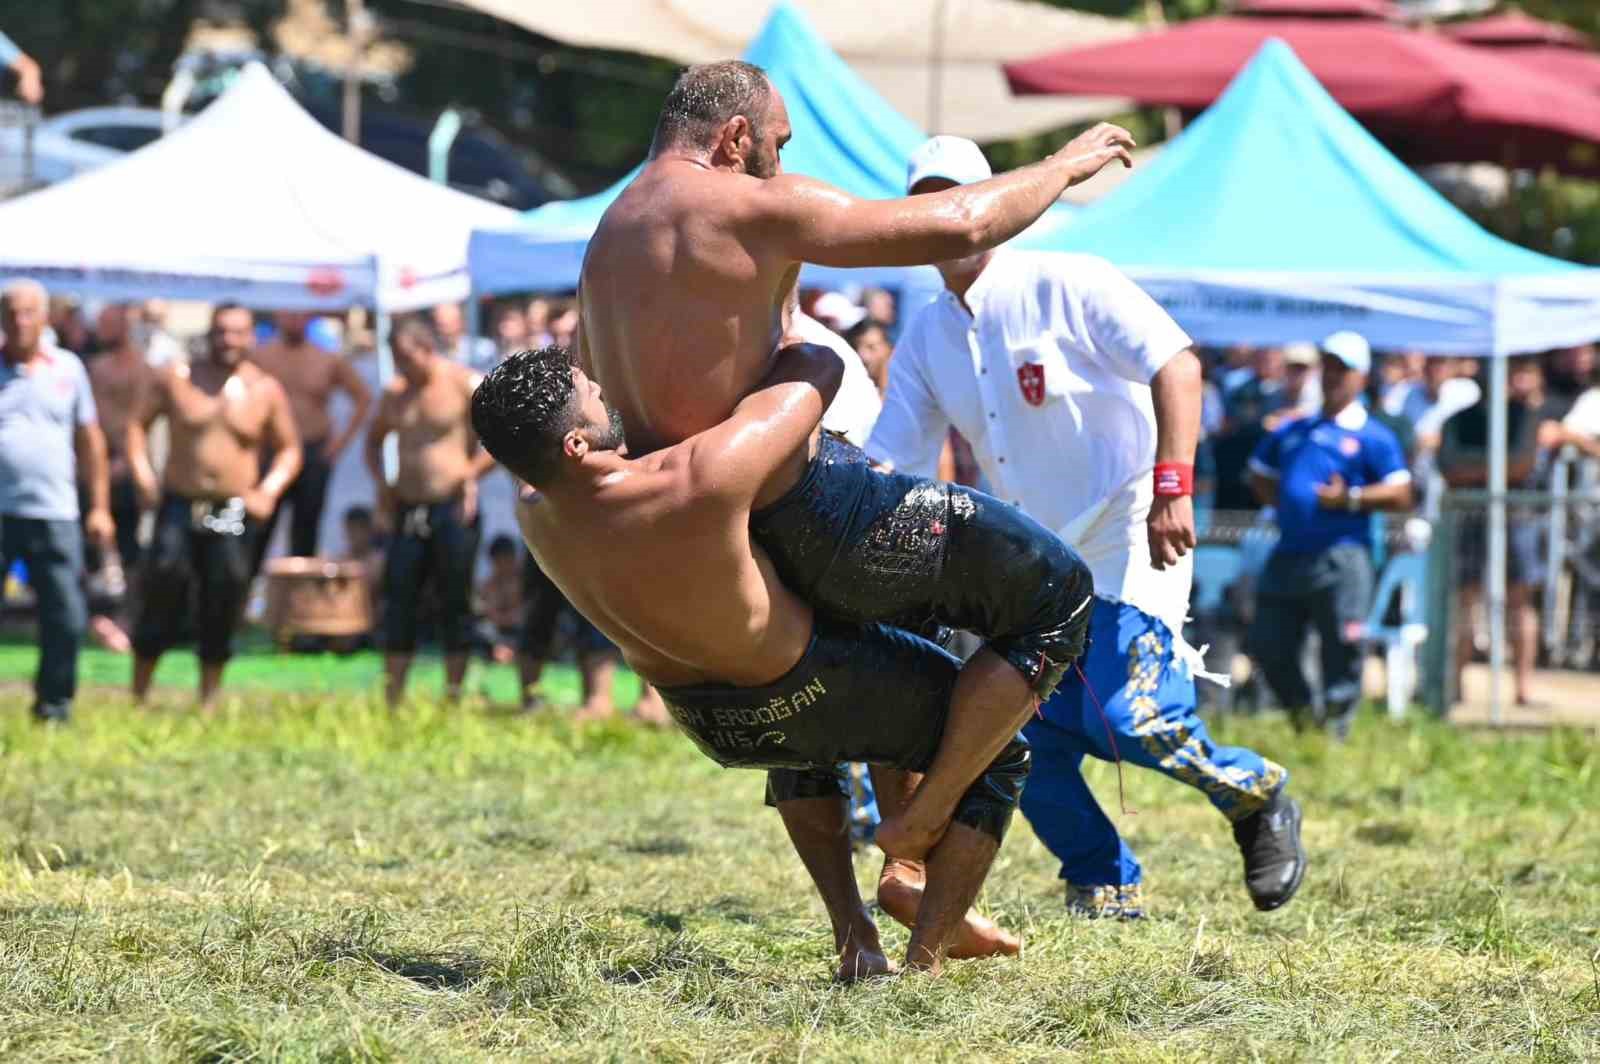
739,456
810,221
136,444
285,440
350,382
382,425
1175,392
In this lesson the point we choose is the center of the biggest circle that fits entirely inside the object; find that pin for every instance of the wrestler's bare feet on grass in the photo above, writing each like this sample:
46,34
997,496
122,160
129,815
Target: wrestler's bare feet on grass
900,893
860,952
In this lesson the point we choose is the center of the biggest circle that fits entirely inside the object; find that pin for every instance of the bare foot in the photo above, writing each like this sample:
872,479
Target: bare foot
899,894
859,963
651,710
593,711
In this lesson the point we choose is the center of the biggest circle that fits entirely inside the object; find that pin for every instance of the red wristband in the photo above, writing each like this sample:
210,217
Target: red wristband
1174,478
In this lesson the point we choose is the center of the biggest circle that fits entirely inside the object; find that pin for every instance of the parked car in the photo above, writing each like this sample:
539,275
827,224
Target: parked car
481,163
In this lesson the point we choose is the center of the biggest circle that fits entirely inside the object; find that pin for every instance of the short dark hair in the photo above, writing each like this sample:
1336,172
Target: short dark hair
853,335
222,308
706,96
416,329
502,545
358,515
524,409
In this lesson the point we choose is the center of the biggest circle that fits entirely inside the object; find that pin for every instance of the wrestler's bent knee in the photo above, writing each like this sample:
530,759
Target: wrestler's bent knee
988,804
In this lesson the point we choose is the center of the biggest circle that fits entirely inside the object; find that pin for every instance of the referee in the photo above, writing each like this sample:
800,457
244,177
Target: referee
1326,474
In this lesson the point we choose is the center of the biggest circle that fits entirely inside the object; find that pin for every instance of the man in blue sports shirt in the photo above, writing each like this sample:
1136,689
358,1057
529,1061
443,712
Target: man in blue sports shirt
1326,475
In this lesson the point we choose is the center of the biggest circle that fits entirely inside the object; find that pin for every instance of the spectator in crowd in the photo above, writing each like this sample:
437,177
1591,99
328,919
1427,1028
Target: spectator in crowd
310,376
1249,405
1571,372
1255,394
1395,375
1582,422
1531,427
499,606
1301,393
49,437
68,329
1326,474
121,380
538,317
160,346
1442,390
29,83
1238,369
432,506
510,329
224,415
477,353
882,307
870,338
361,545
563,323
837,312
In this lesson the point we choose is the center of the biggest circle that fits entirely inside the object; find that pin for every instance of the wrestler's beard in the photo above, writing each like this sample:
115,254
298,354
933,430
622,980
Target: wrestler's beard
609,437
762,164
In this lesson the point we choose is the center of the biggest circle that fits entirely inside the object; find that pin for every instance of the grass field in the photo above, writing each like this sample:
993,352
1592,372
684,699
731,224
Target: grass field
312,878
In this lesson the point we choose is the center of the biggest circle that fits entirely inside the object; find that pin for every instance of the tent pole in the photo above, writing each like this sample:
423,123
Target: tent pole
1499,374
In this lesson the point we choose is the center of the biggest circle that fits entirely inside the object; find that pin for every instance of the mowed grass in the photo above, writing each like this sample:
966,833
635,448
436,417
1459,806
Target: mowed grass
313,878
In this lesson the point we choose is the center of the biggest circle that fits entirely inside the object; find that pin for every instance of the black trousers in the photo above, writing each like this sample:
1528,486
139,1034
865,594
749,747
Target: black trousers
1332,592
305,499
432,545
196,575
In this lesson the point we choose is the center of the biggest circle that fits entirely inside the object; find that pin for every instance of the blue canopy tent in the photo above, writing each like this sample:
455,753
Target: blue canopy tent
1275,217
844,134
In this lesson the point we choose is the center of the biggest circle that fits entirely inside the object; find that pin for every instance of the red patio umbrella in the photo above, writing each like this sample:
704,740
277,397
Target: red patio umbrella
1549,47
1429,98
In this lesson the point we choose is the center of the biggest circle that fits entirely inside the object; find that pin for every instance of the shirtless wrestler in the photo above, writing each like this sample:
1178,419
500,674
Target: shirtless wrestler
310,376
221,413
683,292
432,506
656,552
120,379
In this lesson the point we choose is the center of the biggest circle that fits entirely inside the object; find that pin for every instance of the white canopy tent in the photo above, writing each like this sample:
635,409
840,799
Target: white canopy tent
251,201
937,62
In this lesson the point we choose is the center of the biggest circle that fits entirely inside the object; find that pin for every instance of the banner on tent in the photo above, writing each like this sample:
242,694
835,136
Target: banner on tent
287,287
1452,319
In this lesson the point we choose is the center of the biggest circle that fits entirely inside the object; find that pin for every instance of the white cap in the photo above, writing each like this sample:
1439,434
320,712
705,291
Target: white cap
838,309
1351,348
952,158
1300,354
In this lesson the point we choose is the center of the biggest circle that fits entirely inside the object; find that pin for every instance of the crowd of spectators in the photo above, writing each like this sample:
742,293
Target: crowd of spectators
1435,408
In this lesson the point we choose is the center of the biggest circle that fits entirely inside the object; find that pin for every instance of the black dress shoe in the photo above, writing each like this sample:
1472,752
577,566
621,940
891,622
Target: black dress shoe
1274,860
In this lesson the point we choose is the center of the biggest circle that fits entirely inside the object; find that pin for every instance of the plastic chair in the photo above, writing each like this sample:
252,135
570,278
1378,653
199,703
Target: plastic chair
1405,576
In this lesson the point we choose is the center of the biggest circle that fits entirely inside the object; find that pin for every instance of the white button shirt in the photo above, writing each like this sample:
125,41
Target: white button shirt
1048,377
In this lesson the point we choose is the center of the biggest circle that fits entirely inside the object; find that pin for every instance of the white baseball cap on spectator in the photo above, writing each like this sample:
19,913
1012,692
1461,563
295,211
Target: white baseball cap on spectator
1300,354
1351,348
837,309
952,158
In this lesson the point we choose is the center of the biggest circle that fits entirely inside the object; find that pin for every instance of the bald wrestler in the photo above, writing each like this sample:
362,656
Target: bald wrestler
656,552
684,292
221,413
432,506
310,376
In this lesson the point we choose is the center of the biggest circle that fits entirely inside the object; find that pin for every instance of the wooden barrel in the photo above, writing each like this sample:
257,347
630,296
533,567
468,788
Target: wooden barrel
313,596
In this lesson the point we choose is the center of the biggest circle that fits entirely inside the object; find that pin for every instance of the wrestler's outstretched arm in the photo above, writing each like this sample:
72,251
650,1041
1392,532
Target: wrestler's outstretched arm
811,221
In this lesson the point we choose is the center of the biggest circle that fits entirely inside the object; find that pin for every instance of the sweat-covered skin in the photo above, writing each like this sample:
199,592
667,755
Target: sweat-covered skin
697,610
684,293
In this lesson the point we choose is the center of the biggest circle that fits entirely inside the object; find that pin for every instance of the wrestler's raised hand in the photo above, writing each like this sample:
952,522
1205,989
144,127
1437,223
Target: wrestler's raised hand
1089,152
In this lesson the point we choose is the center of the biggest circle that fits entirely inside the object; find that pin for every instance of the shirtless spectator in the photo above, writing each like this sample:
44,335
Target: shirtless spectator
684,295
477,353
746,670
222,414
361,545
432,506
510,329
121,380
538,320
310,376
